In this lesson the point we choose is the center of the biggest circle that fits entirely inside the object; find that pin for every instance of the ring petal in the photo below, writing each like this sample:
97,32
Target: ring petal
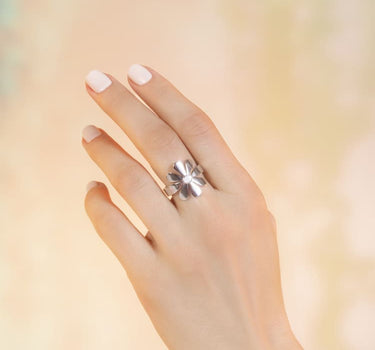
172,177
195,189
180,167
188,166
184,192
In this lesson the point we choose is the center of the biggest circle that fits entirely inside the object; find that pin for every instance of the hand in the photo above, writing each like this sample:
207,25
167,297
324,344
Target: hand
207,272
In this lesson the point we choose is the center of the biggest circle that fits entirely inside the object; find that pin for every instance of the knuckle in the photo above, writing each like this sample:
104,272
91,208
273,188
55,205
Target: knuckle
164,88
162,138
258,198
113,101
224,231
129,178
197,125
250,193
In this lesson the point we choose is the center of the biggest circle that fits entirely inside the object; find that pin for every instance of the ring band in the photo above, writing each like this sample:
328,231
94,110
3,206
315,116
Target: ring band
187,180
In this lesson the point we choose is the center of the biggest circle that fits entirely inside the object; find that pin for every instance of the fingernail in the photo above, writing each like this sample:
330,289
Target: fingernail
98,81
91,185
90,132
139,74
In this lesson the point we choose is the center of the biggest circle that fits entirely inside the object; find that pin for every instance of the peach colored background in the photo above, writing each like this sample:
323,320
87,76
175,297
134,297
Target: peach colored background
290,84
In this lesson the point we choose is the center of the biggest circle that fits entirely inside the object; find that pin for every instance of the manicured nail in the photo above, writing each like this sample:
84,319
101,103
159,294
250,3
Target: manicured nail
90,132
91,185
98,81
139,74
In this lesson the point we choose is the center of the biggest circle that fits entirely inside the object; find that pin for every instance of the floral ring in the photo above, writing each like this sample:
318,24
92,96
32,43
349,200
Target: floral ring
187,180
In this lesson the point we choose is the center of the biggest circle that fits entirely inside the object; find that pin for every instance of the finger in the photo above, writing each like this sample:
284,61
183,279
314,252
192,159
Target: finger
155,139
115,229
194,127
131,180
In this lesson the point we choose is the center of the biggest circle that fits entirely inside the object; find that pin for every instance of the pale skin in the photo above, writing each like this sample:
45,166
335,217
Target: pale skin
207,272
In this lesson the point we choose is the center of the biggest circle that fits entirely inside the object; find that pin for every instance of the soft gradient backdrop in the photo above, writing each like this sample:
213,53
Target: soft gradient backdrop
290,84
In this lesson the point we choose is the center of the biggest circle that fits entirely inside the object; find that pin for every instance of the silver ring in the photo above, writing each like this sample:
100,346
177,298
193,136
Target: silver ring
186,180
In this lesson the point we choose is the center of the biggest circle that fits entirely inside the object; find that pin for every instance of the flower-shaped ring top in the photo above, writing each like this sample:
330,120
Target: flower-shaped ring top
187,180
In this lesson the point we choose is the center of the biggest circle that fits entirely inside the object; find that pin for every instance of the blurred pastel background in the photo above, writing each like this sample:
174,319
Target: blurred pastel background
291,86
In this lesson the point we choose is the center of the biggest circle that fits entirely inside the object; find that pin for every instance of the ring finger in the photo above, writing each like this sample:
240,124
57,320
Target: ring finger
155,139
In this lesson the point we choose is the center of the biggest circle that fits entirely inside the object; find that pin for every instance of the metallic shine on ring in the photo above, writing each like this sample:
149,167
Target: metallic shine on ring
187,180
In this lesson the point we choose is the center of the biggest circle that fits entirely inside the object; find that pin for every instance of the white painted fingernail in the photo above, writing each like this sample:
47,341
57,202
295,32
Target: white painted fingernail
91,185
90,132
98,81
139,74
